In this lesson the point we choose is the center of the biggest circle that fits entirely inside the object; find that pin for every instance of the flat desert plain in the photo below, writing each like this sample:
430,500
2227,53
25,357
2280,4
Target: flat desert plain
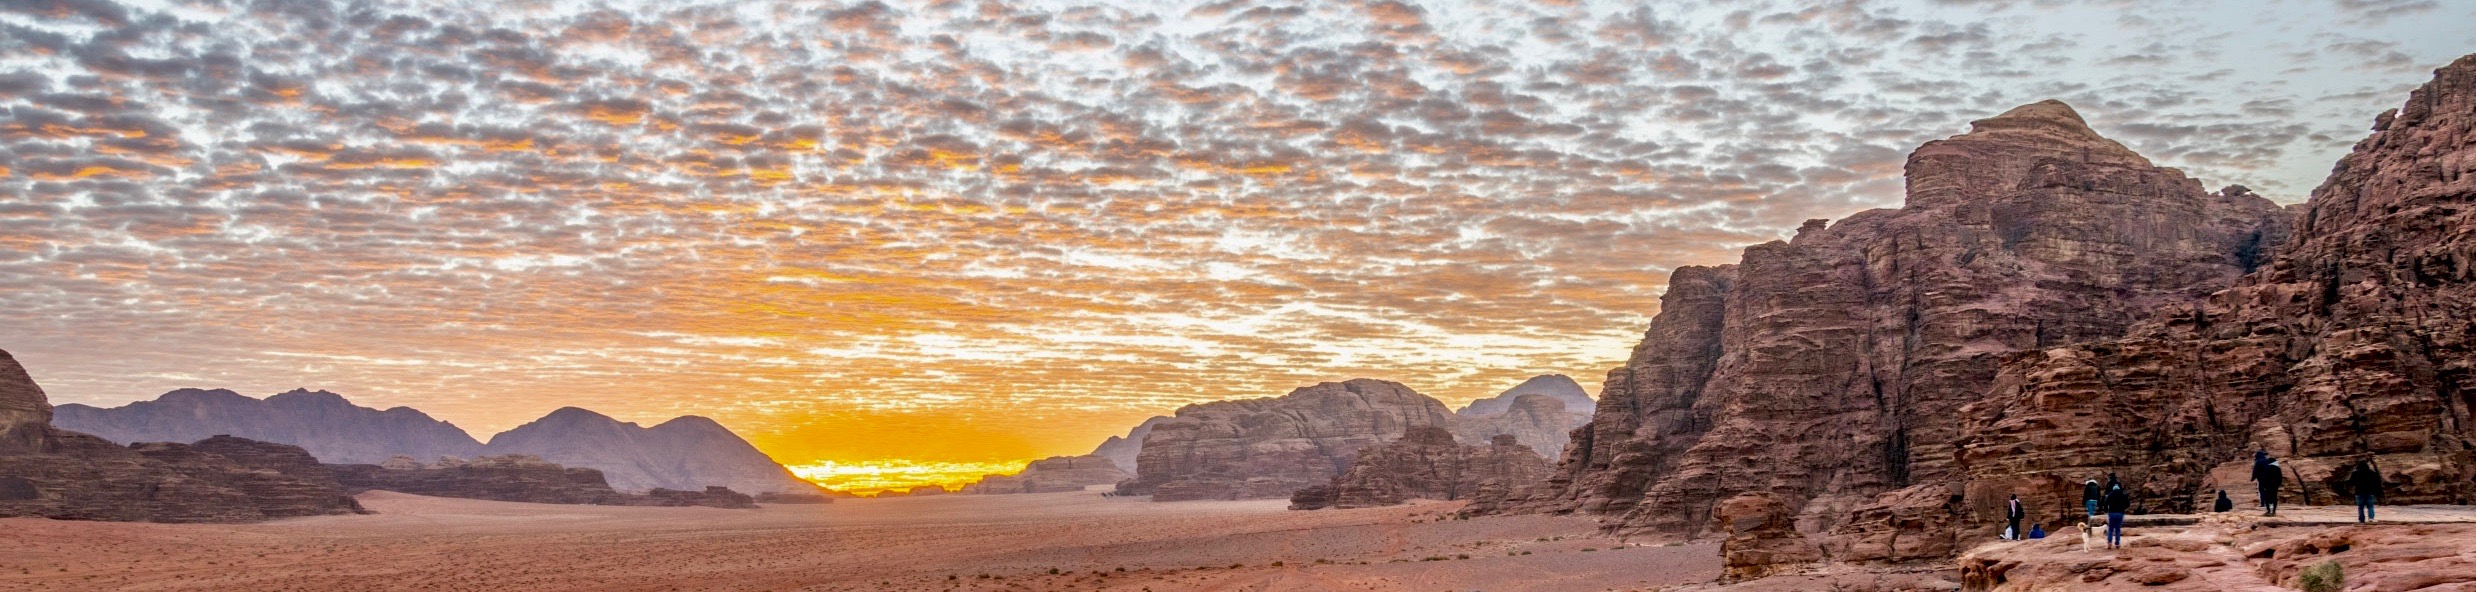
1059,541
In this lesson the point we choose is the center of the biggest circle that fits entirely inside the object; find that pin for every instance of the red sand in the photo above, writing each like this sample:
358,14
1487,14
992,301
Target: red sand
931,543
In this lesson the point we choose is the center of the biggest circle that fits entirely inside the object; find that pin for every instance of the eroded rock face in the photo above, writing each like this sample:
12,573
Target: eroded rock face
1831,368
1269,448
53,473
506,478
328,426
1122,450
1762,538
1426,463
711,497
1542,422
1052,475
2352,342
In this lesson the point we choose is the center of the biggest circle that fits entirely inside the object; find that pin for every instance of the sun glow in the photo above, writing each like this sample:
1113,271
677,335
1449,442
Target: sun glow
898,474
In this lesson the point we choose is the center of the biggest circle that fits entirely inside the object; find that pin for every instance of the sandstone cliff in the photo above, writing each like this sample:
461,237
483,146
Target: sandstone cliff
54,473
688,453
331,428
507,478
1833,367
1122,450
2352,342
1426,463
1051,475
1263,448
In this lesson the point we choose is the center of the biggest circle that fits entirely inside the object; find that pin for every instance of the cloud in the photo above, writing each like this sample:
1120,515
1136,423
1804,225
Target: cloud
1029,221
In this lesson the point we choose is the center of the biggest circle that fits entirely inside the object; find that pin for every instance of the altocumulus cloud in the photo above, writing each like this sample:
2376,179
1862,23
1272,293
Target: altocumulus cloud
977,230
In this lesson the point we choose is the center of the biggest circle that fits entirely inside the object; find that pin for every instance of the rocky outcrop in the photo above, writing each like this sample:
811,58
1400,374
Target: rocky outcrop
2351,342
1269,448
793,498
1122,451
506,478
54,473
324,423
688,453
711,497
1426,463
1762,538
1052,475
1542,422
1555,386
1833,367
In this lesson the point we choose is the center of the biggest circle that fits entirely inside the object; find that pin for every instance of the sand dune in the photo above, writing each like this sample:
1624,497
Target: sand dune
936,543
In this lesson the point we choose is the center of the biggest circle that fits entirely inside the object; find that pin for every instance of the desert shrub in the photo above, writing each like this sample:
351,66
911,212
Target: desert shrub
2326,576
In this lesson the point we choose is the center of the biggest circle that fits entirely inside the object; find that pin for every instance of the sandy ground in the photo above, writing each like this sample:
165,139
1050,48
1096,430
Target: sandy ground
1064,541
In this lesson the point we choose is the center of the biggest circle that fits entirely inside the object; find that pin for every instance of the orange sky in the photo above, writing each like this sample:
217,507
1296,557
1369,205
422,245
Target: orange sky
917,237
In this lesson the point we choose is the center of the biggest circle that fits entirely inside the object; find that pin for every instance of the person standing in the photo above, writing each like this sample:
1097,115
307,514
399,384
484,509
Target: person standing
2366,482
2116,503
2271,477
2089,496
2011,515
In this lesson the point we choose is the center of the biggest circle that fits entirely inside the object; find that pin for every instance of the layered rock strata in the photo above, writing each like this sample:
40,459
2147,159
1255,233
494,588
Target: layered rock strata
1269,448
2352,342
1426,463
1833,367
1052,475
54,473
1762,538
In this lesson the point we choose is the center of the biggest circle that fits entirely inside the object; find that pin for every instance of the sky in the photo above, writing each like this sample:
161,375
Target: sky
957,235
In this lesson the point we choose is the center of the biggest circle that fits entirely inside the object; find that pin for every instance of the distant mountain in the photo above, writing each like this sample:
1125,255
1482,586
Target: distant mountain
329,427
685,453
1559,386
1540,413
1121,451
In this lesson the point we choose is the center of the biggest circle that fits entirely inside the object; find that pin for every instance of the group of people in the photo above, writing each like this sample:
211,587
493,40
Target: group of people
2113,500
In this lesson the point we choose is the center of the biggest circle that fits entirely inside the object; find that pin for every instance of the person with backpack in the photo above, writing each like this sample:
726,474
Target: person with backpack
2116,503
2366,481
2089,496
2012,513
2271,477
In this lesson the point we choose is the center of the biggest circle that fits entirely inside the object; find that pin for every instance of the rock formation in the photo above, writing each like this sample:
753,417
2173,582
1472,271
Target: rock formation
1545,423
712,497
688,453
1268,448
1426,463
1555,386
793,498
1122,450
1833,367
1050,475
1762,538
507,478
2353,341
329,427
54,473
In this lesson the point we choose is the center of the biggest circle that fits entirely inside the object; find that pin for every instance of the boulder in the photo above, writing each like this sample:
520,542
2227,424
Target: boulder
1762,538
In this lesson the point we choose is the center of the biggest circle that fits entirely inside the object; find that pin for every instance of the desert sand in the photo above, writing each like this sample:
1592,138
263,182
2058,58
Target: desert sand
1053,541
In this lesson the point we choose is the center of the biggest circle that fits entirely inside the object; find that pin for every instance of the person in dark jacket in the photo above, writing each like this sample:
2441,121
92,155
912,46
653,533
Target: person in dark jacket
2224,504
2261,462
2090,494
2037,531
2012,514
2366,482
2270,476
2116,503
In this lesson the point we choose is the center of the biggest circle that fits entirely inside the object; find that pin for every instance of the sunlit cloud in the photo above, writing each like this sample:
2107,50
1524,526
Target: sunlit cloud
955,235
